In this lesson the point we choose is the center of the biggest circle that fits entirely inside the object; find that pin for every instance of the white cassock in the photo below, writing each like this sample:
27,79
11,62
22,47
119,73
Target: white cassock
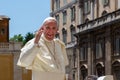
106,77
47,62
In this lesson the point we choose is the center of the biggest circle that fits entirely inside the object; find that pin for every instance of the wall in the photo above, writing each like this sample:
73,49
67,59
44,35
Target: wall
6,66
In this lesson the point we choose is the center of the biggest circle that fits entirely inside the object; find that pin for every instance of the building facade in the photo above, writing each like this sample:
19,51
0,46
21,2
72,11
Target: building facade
4,28
9,54
66,13
95,24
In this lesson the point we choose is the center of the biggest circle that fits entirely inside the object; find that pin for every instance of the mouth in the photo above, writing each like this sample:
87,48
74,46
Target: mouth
50,36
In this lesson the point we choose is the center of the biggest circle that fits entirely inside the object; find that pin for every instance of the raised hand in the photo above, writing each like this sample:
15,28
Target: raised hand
38,35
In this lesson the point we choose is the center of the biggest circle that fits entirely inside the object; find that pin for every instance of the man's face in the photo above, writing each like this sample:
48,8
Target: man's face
50,29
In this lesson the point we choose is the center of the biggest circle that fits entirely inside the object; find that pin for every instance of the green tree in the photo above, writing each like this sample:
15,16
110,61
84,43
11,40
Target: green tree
20,38
17,38
28,37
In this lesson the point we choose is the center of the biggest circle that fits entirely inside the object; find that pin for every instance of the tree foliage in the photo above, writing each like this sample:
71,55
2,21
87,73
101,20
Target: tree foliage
28,37
20,38
17,38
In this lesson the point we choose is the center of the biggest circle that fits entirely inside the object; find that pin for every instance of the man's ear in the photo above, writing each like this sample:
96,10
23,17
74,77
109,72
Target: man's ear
57,32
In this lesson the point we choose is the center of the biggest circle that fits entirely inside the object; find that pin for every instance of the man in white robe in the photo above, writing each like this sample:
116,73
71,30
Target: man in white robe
106,77
45,55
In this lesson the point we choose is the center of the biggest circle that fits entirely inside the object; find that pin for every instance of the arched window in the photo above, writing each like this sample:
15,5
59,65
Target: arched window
64,17
99,47
84,72
57,18
73,13
104,13
86,6
86,20
64,32
116,69
105,2
57,4
72,28
100,69
116,47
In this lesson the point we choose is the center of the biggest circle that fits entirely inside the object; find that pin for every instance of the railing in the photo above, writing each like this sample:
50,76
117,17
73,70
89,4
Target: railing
70,44
104,20
10,46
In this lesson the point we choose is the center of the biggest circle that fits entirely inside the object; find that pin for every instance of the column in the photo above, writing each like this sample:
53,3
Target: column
78,63
107,52
89,55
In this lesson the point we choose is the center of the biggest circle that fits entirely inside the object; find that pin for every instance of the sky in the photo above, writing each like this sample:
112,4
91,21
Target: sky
25,15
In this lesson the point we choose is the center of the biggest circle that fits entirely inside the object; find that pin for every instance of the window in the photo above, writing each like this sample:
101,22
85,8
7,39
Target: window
105,2
100,69
57,4
83,53
73,13
86,6
99,49
2,31
72,28
64,32
64,1
116,70
118,4
57,18
70,59
117,46
74,76
84,72
64,17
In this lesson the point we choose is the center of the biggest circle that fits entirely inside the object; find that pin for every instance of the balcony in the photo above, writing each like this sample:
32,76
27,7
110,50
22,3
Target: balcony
100,22
10,47
70,44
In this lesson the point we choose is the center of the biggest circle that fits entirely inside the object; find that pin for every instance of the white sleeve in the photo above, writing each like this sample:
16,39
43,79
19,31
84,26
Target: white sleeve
28,53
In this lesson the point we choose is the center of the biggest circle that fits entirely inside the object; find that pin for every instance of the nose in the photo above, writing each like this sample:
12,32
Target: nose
51,31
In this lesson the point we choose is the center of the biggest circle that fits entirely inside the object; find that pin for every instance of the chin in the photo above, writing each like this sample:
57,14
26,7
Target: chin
50,39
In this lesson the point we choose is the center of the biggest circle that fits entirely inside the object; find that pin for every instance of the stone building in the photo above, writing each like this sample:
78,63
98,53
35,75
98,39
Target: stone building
95,24
66,13
4,28
9,54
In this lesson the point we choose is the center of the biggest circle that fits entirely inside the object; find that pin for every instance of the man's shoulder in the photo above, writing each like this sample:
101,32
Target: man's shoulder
59,41
31,40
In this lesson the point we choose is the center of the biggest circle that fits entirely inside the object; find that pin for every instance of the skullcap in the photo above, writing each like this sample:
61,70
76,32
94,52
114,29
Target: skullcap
49,18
